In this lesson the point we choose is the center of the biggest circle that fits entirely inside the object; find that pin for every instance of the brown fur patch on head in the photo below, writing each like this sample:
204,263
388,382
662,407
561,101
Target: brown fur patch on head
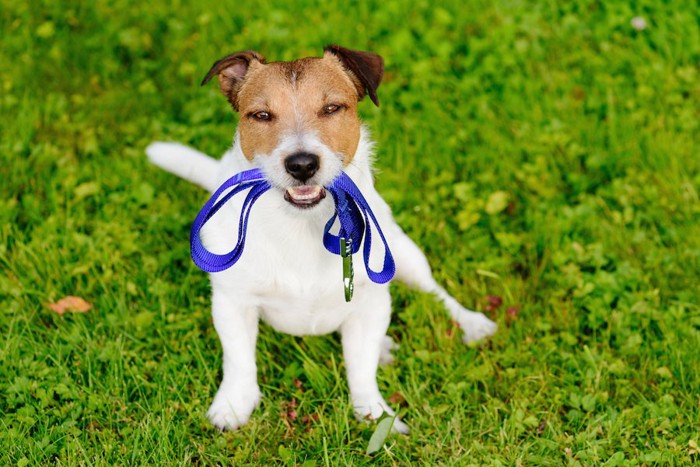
310,95
316,96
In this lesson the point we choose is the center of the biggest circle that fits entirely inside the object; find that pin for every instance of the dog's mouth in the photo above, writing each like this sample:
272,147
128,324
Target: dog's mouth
305,196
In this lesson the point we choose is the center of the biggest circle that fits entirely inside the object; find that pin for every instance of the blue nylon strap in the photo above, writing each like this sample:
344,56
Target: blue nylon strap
354,219
352,212
212,262
351,221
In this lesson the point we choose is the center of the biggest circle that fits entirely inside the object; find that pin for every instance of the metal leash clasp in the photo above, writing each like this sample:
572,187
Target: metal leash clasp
348,272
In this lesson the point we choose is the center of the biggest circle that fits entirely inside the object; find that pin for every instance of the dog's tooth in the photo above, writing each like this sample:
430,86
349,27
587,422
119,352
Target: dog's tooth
304,193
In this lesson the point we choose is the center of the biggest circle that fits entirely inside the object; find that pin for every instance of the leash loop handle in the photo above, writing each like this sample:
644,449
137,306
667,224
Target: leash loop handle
212,262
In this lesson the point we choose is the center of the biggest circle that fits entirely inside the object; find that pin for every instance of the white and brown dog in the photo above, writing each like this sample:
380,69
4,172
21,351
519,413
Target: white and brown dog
299,125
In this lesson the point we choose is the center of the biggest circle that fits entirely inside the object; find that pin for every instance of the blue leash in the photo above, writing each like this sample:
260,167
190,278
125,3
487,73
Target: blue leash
351,209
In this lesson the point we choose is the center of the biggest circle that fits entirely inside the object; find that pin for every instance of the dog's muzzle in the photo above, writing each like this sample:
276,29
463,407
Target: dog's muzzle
302,166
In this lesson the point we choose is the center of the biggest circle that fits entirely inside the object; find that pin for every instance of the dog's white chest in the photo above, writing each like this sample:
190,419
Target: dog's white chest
294,281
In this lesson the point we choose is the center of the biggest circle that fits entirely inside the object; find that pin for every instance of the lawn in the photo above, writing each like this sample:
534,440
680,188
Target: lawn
545,155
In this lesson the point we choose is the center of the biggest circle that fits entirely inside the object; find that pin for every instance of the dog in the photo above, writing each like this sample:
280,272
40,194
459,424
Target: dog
299,125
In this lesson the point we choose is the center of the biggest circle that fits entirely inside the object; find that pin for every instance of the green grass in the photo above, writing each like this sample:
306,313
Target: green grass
552,159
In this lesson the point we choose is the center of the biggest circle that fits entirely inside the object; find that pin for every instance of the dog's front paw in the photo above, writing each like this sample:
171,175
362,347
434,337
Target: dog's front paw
475,326
372,409
232,407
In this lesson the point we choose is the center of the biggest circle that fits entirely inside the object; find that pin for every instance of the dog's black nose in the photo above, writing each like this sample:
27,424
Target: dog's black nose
301,165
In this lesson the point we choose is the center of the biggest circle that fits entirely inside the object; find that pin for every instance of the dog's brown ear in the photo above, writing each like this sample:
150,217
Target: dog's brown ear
367,68
231,71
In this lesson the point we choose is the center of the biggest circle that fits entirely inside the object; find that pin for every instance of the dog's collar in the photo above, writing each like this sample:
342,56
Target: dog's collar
351,210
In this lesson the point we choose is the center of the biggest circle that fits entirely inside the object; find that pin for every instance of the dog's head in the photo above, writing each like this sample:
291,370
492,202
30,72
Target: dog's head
298,120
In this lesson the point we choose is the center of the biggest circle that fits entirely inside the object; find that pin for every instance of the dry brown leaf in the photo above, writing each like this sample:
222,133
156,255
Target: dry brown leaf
493,302
298,384
397,399
70,304
513,311
541,427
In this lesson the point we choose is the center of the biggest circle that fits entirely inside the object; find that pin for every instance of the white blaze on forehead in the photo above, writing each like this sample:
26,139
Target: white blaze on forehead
298,116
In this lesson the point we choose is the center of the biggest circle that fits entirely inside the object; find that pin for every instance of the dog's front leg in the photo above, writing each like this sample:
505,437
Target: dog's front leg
238,394
364,334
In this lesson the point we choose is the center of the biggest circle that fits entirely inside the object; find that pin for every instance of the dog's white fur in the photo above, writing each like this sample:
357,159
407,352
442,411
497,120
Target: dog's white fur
288,279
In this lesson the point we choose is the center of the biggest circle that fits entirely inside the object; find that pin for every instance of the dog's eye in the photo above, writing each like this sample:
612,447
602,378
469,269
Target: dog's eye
261,116
331,109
